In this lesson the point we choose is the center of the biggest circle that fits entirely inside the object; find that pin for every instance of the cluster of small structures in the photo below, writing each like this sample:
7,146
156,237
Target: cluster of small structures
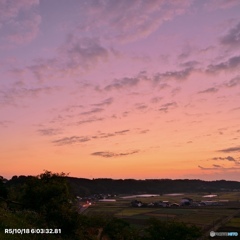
85,202
184,202
96,197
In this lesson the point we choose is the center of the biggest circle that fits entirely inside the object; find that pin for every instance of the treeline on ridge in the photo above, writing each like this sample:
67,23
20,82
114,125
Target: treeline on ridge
84,187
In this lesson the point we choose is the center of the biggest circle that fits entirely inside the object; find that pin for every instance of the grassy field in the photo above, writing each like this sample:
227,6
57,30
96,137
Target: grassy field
204,217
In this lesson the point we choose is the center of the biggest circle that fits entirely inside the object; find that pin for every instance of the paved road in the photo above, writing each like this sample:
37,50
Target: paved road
83,208
217,226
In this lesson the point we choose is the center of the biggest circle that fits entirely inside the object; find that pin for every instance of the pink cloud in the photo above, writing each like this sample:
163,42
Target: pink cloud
19,23
215,4
74,55
83,52
130,20
9,9
26,30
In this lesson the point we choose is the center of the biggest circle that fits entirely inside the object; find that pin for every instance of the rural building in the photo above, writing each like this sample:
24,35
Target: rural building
186,201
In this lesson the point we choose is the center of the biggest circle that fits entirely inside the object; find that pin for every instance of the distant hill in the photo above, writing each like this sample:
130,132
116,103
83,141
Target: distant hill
84,187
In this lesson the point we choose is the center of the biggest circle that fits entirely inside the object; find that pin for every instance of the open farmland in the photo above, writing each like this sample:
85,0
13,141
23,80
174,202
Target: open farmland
205,217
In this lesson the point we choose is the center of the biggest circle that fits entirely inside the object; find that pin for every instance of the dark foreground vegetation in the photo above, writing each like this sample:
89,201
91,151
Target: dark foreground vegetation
45,202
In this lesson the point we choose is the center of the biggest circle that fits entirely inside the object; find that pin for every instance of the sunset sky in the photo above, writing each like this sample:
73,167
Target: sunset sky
120,89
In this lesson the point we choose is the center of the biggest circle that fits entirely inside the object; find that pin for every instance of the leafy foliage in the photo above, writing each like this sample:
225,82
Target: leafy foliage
3,189
159,230
119,229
